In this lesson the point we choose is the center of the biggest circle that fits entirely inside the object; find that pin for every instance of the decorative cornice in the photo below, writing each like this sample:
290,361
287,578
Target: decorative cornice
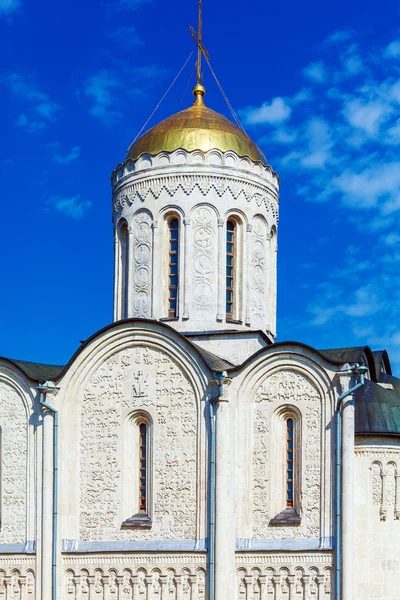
154,186
212,158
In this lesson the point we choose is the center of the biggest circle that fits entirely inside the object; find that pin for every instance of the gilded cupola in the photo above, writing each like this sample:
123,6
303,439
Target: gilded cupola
196,128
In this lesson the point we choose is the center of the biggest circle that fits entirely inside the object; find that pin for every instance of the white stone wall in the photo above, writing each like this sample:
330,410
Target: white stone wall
203,190
17,486
377,518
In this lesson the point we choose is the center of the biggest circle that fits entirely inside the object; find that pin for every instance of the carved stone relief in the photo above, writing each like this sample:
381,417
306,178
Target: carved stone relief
258,274
137,378
142,257
204,263
14,453
305,582
385,486
287,388
159,583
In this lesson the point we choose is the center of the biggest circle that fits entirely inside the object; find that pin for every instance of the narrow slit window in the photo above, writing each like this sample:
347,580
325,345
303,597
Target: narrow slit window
143,467
230,267
289,461
173,268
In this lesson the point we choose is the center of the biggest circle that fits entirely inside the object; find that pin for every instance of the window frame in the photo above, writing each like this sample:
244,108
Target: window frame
279,464
141,517
237,281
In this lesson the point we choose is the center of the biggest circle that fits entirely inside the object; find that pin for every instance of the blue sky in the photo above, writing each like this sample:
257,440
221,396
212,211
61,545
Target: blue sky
316,84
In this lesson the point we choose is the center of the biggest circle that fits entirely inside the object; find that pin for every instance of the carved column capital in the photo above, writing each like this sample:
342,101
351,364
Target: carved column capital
187,221
249,227
220,222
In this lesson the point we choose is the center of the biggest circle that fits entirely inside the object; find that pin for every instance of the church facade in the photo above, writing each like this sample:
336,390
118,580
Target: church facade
182,454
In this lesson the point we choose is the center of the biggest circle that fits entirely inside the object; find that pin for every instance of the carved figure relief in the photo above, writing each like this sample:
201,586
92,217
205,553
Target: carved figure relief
204,264
283,388
14,429
259,273
142,256
135,378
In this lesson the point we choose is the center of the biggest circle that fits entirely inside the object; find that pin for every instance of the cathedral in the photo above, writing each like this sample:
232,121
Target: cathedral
182,453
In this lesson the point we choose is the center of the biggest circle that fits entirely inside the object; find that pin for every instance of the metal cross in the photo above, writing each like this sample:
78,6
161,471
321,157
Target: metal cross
198,39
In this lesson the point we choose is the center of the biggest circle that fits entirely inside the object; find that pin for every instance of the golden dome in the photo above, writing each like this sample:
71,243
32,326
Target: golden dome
196,128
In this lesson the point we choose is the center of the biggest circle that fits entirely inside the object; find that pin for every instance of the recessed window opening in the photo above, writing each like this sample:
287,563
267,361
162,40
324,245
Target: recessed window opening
230,267
289,462
143,467
173,267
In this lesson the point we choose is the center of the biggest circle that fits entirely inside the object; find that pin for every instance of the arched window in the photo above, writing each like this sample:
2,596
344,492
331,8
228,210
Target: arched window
289,461
286,461
230,268
138,476
173,267
123,270
143,467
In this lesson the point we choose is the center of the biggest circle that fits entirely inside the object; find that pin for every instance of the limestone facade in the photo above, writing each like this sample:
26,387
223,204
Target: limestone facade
143,370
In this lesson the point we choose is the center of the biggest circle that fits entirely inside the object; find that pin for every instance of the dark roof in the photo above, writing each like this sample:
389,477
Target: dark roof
381,356
351,356
214,362
36,371
377,409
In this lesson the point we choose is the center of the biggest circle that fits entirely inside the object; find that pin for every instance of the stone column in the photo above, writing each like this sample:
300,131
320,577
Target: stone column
117,300
47,505
130,274
397,502
248,271
307,586
225,521
248,581
120,585
292,590
164,587
186,269
263,585
221,270
22,584
321,588
347,491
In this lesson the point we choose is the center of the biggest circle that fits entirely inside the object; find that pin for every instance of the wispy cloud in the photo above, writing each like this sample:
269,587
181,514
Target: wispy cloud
72,207
39,109
340,36
66,159
9,6
343,148
272,112
392,50
131,4
316,72
127,37
101,89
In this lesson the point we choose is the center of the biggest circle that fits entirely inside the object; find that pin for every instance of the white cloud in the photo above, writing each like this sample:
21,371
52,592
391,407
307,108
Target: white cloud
72,207
273,113
393,49
66,159
342,35
99,89
367,116
132,4
316,72
127,37
30,125
8,6
36,101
